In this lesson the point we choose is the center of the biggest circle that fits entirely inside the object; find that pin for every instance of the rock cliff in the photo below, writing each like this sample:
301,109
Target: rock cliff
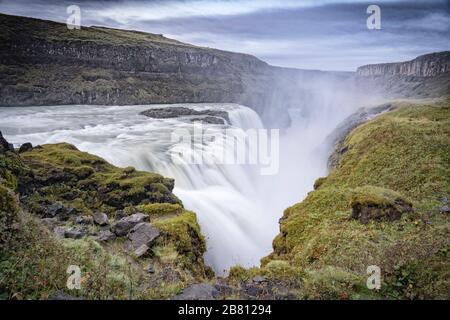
428,65
44,63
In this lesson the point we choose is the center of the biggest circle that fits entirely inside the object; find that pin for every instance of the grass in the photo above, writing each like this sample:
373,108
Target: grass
401,155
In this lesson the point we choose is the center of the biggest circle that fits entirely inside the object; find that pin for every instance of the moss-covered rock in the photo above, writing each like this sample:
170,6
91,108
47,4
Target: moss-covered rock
67,188
375,203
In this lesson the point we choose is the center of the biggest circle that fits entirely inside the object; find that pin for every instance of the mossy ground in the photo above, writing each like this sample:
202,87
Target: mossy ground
33,261
403,154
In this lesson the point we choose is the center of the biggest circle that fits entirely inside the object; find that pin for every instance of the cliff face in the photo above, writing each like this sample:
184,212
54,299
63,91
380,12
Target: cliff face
427,76
428,65
44,63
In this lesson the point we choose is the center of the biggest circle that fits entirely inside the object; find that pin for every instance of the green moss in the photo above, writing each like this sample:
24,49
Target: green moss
160,209
183,233
334,283
319,182
88,183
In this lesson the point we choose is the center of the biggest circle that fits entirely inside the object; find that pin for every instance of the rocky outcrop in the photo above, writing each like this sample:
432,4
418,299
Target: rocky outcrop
209,116
337,137
378,204
56,199
428,65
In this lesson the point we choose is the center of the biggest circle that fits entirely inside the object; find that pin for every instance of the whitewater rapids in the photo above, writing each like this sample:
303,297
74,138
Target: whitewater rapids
238,208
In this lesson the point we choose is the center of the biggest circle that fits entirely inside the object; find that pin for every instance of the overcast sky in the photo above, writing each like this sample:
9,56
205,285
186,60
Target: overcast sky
308,34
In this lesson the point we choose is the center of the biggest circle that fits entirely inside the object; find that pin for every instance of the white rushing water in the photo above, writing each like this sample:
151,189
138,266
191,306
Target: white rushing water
237,207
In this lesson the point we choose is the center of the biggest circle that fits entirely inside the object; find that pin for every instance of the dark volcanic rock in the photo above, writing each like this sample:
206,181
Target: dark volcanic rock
366,212
101,218
121,227
202,291
211,116
84,220
209,120
105,235
142,234
74,233
25,147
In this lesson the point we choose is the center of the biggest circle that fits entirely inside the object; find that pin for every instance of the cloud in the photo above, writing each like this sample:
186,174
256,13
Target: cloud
311,34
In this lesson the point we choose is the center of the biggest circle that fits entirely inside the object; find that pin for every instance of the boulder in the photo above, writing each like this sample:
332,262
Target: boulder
101,218
445,209
121,227
26,147
201,291
377,204
141,251
142,234
60,232
150,269
209,115
74,233
56,209
105,235
86,220
120,214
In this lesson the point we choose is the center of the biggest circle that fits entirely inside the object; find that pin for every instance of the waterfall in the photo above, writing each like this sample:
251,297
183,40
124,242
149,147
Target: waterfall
238,208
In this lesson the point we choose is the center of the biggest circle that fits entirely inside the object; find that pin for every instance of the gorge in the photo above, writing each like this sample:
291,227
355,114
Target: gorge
91,89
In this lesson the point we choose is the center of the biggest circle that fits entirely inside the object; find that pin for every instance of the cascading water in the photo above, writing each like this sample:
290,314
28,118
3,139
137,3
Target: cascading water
237,207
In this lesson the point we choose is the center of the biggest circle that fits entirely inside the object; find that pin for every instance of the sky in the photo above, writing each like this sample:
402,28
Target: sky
306,34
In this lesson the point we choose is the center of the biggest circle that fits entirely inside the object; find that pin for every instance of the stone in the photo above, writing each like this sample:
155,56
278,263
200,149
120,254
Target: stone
56,209
208,116
26,147
201,291
142,234
74,234
101,218
105,235
60,232
445,209
150,269
86,220
120,214
60,295
121,227
443,199
259,279
141,251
